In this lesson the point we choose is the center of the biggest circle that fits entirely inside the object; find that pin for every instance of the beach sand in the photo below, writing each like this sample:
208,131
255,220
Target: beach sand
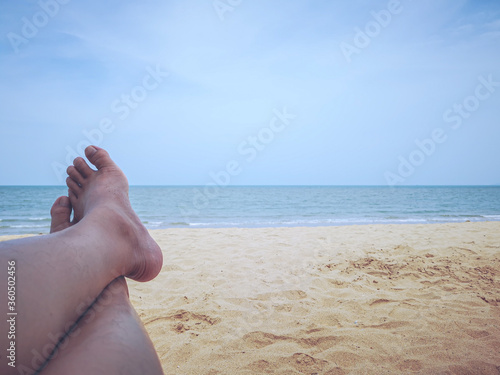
381,299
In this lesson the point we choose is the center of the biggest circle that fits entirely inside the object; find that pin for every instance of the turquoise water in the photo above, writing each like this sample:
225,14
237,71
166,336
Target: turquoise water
26,209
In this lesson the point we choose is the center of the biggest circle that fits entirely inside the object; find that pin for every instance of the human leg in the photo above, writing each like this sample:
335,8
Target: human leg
58,276
109,339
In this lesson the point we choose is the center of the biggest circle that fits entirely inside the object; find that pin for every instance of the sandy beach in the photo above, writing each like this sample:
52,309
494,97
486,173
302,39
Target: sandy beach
382,299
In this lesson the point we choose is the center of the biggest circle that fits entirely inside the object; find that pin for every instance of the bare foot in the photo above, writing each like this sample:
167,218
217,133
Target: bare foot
60,213
102,197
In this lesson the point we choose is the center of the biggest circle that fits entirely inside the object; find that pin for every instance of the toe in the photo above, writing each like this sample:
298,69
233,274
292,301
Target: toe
73,186
75,175
60,213
73,198
98,157
82,167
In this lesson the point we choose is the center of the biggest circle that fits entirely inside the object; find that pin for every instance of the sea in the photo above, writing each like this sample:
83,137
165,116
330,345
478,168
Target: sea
26,209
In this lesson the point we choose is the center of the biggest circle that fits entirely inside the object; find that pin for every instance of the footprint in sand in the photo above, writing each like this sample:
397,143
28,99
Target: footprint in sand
183,321
410,364
301,362
475,367
380,301
306,364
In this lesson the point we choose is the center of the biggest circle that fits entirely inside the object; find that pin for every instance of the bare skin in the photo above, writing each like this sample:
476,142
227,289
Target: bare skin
105,193
60,275
110,333
109,339
60,213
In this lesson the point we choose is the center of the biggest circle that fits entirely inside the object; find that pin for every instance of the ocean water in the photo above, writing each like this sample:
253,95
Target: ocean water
26,209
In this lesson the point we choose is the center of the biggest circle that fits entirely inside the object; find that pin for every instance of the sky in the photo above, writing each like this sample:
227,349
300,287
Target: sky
240,92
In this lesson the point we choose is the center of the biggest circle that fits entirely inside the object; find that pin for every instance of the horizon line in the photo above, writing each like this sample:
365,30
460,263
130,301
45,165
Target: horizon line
277,185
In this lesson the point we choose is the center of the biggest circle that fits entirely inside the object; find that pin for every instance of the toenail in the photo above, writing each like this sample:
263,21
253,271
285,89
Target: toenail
91,150
64,203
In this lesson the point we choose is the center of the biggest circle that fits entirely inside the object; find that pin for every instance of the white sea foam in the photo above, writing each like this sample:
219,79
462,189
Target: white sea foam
492,217
29,226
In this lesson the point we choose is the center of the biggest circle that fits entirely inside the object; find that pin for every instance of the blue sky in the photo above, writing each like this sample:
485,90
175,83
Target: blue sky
253,92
